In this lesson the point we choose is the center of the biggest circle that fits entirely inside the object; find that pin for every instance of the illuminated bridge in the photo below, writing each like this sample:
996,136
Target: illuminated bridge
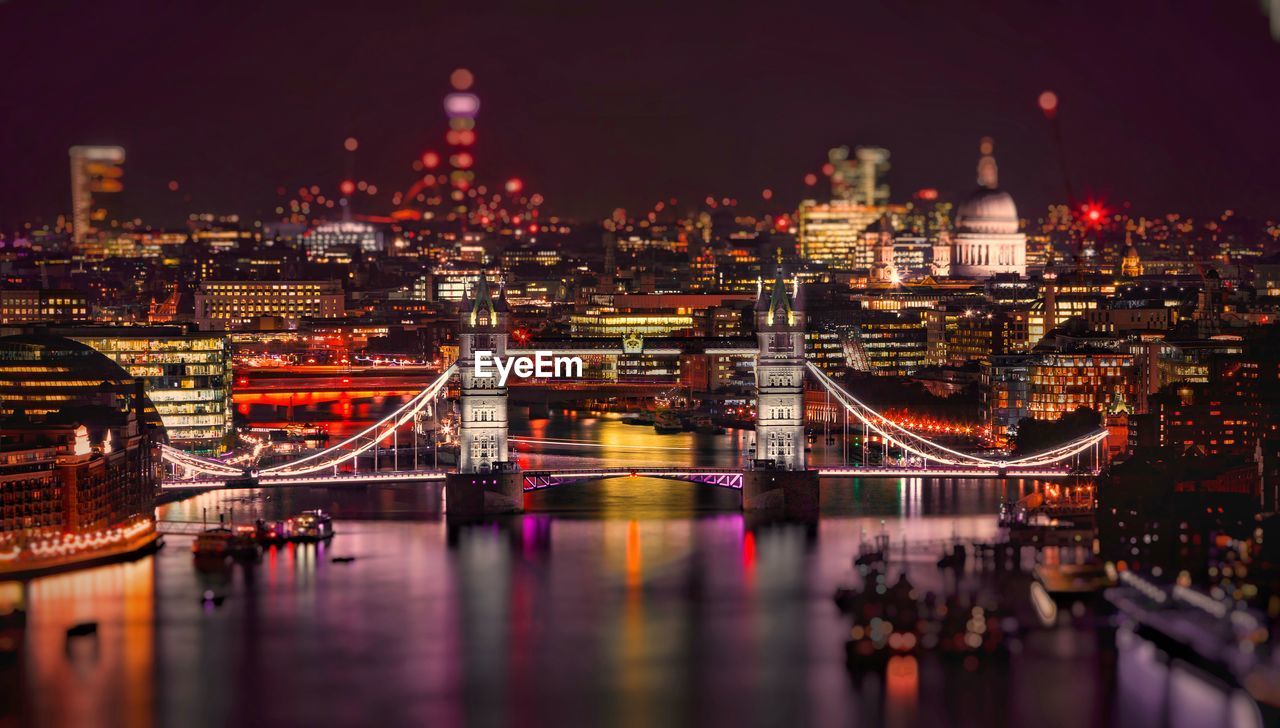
777,461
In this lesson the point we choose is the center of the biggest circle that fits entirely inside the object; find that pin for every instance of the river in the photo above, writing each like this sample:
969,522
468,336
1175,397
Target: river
620,602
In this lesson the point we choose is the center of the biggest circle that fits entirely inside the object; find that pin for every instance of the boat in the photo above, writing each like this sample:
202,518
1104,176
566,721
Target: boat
639,418
343,559
704,426
311,526
667,423
220,543
892,618
271,533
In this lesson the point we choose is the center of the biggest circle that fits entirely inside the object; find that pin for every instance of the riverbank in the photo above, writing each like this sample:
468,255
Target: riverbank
131,548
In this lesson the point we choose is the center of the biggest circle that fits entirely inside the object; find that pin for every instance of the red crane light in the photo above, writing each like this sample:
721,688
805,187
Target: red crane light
1048,103
1093,214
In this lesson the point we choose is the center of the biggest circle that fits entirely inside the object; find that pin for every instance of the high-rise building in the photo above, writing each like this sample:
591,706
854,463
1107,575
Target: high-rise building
94,170
186,375
834,233
859,179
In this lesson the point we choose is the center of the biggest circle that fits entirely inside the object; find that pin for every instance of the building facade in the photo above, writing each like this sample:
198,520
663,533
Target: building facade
33,306
238,304
187,376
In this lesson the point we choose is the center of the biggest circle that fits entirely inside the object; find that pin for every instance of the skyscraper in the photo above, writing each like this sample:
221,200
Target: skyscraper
860,178
94,170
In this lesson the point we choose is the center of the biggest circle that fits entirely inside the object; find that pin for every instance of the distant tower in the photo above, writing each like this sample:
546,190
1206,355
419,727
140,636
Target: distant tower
1131,264
859,179
461,106
873,163
780,364
885,269
93,170
609,276
1208,313
940,264
482,326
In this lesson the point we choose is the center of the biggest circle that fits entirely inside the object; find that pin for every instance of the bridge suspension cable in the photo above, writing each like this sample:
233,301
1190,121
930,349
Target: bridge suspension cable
324,458
207,466
929,450
391,423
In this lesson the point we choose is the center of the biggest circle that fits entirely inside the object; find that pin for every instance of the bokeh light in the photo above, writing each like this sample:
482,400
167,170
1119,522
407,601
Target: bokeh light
461,79
1048,103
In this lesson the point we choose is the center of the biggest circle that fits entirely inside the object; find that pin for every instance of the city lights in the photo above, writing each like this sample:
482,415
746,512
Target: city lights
721,373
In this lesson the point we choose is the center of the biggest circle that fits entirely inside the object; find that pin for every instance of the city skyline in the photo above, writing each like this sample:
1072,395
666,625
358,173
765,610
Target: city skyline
886,362
727,109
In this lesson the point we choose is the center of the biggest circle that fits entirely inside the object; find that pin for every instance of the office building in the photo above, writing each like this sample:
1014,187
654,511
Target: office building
187,376
240,304
95,170
36,306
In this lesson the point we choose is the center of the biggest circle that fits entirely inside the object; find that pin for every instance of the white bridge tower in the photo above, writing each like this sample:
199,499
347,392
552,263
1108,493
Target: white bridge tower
482,404
780,369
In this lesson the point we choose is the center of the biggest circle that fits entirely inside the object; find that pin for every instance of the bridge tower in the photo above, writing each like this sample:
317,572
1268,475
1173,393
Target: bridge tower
779,483
486,483
482,326
780,376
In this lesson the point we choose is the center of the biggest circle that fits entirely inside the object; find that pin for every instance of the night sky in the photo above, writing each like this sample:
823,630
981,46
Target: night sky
1172,105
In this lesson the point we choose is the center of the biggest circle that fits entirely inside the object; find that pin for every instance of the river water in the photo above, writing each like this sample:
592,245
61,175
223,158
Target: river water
621,602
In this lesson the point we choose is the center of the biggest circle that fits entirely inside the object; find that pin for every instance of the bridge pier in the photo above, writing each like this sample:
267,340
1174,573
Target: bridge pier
791,494
473,495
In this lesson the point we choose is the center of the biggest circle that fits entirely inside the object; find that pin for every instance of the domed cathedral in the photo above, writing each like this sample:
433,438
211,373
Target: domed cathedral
987,241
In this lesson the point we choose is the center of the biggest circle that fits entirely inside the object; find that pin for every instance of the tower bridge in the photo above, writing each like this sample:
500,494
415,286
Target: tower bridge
776,478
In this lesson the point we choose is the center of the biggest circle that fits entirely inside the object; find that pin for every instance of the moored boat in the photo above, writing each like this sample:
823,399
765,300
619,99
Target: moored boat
313,525
667,423
220,542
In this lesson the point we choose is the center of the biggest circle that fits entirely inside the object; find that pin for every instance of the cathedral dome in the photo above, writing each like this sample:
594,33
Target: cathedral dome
988,210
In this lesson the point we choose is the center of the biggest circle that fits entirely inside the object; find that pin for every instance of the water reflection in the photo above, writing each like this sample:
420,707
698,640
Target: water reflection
623,602
77,681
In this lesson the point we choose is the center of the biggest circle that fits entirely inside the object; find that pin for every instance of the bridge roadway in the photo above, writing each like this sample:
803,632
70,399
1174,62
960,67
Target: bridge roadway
541,479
